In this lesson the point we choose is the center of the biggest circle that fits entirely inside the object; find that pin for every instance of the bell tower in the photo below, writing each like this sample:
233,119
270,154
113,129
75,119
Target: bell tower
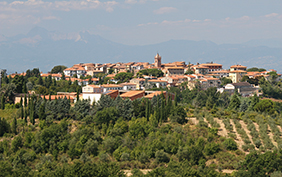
158,61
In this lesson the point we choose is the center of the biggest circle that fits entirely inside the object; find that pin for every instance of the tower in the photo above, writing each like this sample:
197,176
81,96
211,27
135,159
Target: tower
158,61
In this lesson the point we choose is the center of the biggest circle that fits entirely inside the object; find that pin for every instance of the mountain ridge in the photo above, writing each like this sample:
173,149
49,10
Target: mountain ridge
45,49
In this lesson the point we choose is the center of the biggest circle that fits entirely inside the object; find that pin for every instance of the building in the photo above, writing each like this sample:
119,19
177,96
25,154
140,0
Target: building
238,67
236,75
156,93
208,82
221,73
158,61
243,88
156,83
132,95
140,83
75,70
128,86
172,71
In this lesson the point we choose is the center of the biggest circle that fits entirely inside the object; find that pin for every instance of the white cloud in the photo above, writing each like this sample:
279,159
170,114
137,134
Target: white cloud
271,15
164,10
207,20
196,21
130,1
245,18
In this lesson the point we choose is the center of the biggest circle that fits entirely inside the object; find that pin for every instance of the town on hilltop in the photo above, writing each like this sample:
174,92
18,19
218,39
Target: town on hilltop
143,79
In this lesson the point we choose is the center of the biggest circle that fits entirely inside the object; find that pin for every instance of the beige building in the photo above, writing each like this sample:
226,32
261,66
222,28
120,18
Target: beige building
236,75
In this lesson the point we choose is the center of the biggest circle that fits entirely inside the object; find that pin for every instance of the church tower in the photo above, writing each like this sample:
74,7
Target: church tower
158,61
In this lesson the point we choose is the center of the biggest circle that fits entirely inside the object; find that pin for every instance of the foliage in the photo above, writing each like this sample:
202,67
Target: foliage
58,69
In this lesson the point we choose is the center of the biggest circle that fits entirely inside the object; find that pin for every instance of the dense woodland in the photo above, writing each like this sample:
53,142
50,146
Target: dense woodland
41,137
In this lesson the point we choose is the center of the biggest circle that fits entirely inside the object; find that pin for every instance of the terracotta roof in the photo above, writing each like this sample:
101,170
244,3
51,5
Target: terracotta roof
175,68
111,85
127,84
131,93
238,71
211,64
156,81
155,94
237,66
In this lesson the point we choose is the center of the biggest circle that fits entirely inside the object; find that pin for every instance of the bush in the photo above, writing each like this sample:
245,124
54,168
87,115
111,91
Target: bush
143,157
211,148
161,156
230,144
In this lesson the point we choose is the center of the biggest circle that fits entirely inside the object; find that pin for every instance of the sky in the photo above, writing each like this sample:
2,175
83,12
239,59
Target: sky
143,22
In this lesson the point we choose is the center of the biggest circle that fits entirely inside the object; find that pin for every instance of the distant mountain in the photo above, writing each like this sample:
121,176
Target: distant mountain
45,49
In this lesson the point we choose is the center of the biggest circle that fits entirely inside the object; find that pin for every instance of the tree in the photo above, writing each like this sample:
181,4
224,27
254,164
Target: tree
234,102
123,77
4,126
21,108
2,102
254,101
63,76
42,114
266,106
230,144
58,69
14,126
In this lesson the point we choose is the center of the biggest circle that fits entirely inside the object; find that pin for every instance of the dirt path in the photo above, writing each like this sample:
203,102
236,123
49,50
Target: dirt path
271,136
222,130
144,171
209,125
244,126
239,139
193,120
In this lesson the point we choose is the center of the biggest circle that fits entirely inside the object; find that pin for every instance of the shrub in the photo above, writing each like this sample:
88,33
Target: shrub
230,144
211,148
161,156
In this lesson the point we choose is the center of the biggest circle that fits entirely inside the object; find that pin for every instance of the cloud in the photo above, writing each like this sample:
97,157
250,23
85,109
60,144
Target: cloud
164,10
271,15
130,1
207,20
245,18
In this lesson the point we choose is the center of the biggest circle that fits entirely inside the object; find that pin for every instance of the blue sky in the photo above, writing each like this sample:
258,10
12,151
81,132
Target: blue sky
140,22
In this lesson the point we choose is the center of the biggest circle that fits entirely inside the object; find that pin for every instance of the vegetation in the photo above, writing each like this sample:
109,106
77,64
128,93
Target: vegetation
41,137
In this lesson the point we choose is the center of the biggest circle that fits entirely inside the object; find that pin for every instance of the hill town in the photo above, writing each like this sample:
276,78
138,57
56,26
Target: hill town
143,79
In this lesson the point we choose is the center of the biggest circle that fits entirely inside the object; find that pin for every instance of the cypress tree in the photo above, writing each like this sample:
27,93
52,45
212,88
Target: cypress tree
31,112
147,110
24,87
63,76
42,114
157,110
22,112
163,114
77,95
14,125
168,105
25,100
175,100
2,102
49,97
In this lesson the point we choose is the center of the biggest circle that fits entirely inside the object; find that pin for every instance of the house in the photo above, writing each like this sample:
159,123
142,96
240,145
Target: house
172,71
155,93
212,66
107,87
128,86
157,83
208,82
221,73
140,83
238,67
132,95
75,70
236,75
244,88
199,69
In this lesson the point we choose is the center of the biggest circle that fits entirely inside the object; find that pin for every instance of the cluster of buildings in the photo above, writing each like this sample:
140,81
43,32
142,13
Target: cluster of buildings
176,73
